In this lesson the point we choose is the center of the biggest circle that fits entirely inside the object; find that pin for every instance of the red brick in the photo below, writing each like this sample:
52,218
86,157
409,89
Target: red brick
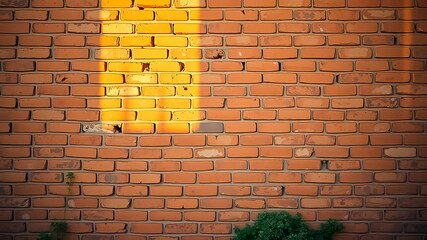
309,40
177,153
367,190
245,15
316,203
401,189
344,40
19,66
26,164
334,214
179,178
201,191
355,53
197,165
146,228
366,215
347,202
250,203
355,177
14,28
339,66
25,189
165,191
378,40
246,41
182,203
8,40
64,164
225,4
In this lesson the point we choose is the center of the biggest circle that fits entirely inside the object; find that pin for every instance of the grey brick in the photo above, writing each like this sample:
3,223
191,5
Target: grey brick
207,127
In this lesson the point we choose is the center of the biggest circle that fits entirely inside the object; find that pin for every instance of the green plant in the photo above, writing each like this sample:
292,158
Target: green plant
44,236
57,230
284,226
69,177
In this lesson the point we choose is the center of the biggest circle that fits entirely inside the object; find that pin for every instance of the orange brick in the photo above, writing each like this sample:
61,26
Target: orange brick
14,28
294,28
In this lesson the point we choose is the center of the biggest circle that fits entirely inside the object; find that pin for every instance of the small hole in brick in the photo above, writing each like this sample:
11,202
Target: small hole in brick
220,55
181,67
324,165
117,128
146,67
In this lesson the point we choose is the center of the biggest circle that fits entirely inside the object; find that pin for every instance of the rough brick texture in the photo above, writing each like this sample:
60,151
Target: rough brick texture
183,119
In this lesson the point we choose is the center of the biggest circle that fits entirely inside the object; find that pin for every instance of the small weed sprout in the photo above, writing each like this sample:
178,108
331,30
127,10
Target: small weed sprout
69,177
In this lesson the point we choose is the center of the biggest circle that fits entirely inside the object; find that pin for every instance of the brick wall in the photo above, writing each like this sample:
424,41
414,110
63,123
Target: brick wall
184,119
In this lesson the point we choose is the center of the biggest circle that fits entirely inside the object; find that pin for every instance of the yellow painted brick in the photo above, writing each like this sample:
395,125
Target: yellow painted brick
137,15
122,28
189,28
170,41
116,3
172,127
137,41
138,103
146,78
174,103
153,3
138,128
150,53
188,115
166,67
103,78
103,103
189,91
118,115
122,91
154,115
158,91
101,15
190,3
126,67
196,66
172,78
171,15
112,53
154,28
102,41
186,53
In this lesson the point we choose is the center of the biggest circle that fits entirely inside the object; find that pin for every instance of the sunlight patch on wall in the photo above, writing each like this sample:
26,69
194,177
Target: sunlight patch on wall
152,56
